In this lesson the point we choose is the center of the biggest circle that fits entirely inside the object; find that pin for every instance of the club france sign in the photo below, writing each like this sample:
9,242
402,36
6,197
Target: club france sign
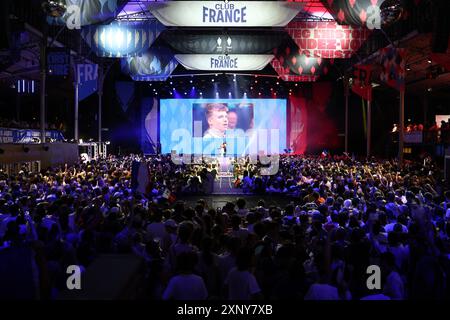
221,14
236,62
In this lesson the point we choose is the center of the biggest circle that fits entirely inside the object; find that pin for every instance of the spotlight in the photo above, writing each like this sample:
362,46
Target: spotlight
429,61
234,80
171,82
256,81
54,9
212,80
391,12
201,93
193,88
185,93
173,89
190,81
171,93
216,74
259,93
156,93
296,84
278,83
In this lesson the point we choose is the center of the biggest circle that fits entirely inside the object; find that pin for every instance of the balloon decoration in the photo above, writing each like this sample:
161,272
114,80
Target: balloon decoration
91,12
157,64
122,39
217,42
362,13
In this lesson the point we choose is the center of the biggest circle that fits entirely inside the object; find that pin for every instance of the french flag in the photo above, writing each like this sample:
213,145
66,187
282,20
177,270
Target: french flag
140,177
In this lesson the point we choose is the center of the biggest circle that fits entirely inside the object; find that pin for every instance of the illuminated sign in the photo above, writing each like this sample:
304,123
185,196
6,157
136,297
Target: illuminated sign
224,62
220,14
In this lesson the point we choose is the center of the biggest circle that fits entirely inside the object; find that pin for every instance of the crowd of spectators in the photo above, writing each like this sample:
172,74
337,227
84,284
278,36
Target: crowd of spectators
345,215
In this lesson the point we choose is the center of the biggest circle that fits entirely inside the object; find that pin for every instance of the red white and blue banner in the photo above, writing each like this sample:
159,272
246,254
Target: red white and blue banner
362,81
121,39
393,64
225,14
140,177
232,62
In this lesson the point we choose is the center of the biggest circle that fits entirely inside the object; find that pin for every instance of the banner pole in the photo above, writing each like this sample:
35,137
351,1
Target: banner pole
76,108
401,128
347,93
369,127
43,82
100,102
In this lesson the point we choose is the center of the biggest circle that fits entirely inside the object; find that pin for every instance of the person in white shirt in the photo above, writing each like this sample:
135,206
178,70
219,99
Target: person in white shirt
186,285
240,283
393,284
157,230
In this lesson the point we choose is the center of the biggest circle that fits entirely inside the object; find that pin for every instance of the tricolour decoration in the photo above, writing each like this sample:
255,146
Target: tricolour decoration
225,14
393,64
233,62
292,62
286,75
89,12
157,64
121,39
362,13
362,82
327,39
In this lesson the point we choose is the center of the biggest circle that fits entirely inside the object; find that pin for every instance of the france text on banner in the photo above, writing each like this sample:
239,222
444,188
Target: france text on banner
237,62
221,14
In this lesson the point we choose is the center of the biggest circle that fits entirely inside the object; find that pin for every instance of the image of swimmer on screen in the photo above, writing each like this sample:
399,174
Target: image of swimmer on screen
217,119
220,118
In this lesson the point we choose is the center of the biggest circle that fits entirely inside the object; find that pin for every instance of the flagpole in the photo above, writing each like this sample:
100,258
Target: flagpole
100,102
369,126
76,107
401,127
347,93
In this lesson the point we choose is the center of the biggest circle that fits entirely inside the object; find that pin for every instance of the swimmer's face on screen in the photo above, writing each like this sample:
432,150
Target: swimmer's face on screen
232,120
217,117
